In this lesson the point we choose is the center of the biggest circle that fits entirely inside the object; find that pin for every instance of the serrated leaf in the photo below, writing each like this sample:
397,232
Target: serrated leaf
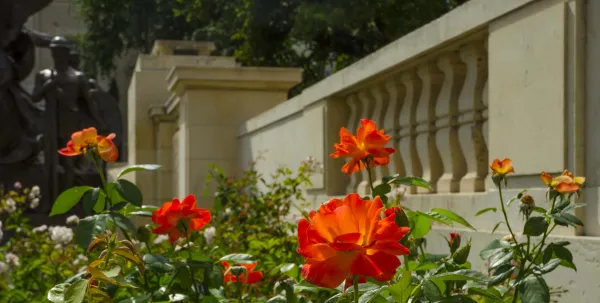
535,226
57,293
460,275
501,274
382,190
420,225
402,289
489,293
67,199
134,258
573,207
76,292
500,259
410,181
239,258
485,210
453,216
129,191
158,264
90,199
550,266
138,168
123,222
89,226
534,289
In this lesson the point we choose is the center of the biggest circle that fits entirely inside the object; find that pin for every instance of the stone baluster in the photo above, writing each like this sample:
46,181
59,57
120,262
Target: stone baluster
396,94
352,126
407,147
470,132
367,108
480,131
455,166
428,153
381,98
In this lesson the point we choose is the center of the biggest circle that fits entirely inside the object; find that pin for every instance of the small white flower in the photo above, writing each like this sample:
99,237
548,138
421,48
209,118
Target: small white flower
72,220
178,248
80,258
228,210
18,185
40,229
19,229
61,234
3,267
82,269
209,234
35,190
160,239
398,192
11,205
34,203
58,247
31,196
12,258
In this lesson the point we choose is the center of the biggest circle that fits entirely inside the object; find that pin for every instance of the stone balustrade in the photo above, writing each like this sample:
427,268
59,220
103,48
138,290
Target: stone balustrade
435,114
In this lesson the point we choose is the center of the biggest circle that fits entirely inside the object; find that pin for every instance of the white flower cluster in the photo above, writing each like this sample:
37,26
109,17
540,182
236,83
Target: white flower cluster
3,267
34,196
72,220
80,258
61,234
12,259
40,229
209,234
11,205
160,239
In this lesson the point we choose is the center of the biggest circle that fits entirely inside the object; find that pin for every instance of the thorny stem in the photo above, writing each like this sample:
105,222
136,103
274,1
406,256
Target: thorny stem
355,288
540,245
370,176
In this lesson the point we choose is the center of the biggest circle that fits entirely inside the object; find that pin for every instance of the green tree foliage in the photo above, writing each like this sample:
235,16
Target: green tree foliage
320,36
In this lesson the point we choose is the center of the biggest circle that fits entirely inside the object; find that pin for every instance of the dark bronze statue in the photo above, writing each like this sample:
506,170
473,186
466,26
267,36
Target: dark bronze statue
34,126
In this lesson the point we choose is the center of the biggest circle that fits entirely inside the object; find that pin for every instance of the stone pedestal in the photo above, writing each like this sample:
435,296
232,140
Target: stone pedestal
209,104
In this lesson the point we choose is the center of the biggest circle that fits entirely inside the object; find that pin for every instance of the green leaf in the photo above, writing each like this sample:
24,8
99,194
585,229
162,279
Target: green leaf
460,275
140,213
489,293
89,226
76,292
138,168
496,226
89,200
124,223
67,199
550,266
113,272
381,190
457,299
534,289
573,207
573,220
291,270
420,225
57,293
410,181
426,266
436,217
431,291
453,216
401,290
535,226
501,274
239,258
485,210
129,192
565,255
500,259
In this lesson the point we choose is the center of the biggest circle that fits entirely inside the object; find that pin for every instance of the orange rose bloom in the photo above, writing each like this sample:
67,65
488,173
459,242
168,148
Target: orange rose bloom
565,184
368,142
502,168
87,139
253,276
349,237
171,214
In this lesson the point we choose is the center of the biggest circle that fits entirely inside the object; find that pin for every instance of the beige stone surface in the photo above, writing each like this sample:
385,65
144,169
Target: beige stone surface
527,88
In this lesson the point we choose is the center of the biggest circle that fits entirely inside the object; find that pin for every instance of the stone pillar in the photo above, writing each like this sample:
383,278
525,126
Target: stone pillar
210,104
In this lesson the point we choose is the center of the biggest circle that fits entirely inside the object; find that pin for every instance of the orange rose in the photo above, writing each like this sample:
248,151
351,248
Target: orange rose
253,276
369,142
565,184
502,168
171,214
349,237
88,139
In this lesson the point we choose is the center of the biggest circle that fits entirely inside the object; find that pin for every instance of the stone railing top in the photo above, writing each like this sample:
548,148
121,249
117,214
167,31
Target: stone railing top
468,18
175,47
